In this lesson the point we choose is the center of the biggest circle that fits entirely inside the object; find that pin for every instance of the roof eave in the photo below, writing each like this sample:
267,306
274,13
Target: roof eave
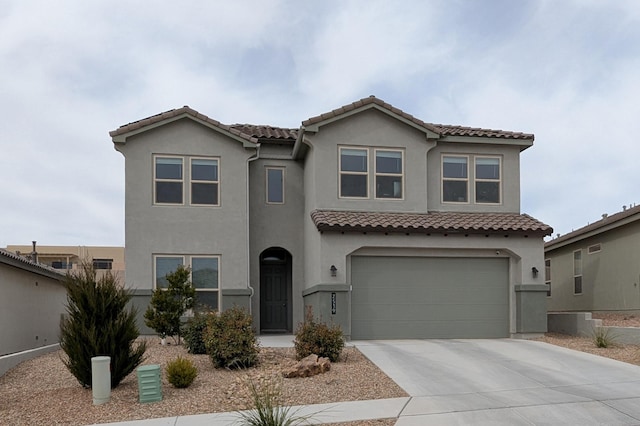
569,239
522,143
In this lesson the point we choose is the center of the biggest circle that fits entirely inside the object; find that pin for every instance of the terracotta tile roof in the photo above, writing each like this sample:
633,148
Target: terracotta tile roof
597,227
435,222
441,129
267,133
135,125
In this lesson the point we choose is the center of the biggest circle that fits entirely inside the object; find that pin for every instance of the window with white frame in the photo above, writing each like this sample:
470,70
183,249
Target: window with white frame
577,272
275,185
547,275
455,179
168,176
389,173
204,275
354,173
487,179
204,181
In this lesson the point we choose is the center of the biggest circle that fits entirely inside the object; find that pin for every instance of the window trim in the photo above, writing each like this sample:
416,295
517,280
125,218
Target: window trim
211,182
266,183
547,275
187,260
156,179
443,178
376,174
476,179
579,275
366,173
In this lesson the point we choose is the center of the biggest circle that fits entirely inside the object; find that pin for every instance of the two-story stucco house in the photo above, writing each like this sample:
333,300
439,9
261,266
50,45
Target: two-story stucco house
387,225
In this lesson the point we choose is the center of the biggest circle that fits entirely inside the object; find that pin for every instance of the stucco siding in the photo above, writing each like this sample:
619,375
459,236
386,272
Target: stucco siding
610,276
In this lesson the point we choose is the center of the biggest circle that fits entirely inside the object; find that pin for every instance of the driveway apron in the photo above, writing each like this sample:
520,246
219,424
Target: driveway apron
506,381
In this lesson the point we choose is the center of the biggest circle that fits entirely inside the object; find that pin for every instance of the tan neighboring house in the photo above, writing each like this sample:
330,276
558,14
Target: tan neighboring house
597,267
70,258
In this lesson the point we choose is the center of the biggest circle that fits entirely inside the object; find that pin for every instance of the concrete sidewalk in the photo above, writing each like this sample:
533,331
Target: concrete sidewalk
460,382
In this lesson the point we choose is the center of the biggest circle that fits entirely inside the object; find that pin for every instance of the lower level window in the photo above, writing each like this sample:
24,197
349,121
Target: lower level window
204,275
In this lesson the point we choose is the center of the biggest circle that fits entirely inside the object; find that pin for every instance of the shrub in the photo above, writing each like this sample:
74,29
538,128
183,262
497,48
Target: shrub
314,337
193,332
230,339
181,372
169,304
98,324
602,337
267,408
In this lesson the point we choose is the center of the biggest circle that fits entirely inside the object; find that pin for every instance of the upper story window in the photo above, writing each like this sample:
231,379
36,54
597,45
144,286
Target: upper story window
594,248
487,180
577,272
102,263
354,173
168,180
275,185
203,180
455,179
389,174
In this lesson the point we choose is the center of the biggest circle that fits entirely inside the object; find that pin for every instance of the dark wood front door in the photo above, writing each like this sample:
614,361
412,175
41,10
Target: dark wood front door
274,303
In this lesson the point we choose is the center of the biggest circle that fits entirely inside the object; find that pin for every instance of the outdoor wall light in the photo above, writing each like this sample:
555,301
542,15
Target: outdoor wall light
333,270
534,272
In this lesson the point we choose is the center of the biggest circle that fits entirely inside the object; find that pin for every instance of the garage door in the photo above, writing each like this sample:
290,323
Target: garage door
429,298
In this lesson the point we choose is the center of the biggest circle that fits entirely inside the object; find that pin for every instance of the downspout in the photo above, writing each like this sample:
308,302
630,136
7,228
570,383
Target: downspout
248,213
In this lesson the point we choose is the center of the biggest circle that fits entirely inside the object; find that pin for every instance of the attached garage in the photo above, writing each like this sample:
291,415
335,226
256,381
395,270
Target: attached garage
429,297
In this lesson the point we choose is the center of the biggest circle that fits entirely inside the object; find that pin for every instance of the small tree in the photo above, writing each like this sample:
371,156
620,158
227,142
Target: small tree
168,305
99,324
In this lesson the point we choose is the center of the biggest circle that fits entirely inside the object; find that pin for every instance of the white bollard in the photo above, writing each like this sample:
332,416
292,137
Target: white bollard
101,379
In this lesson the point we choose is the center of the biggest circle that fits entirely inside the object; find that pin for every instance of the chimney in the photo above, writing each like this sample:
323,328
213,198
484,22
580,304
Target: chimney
34,253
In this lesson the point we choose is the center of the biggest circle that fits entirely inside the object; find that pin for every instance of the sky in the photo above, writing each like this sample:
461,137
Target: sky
73,70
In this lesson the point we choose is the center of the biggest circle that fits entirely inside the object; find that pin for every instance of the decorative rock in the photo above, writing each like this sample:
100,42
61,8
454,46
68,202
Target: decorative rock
309,366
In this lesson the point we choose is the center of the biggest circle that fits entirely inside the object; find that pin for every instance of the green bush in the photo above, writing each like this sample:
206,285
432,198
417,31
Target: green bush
602,338
181,372
193,332
314,337
268,409
99,324
230,339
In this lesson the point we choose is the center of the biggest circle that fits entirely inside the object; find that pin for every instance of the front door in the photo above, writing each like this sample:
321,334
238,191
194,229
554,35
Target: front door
275,292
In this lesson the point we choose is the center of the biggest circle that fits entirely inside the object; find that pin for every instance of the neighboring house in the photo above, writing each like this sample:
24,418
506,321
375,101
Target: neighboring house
367,216
597,267
32,302
70,258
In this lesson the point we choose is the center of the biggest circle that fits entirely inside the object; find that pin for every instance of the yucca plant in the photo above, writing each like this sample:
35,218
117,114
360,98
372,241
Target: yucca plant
602,337
267,411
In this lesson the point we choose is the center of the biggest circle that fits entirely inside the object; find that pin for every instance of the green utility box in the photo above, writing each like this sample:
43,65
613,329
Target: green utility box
149,383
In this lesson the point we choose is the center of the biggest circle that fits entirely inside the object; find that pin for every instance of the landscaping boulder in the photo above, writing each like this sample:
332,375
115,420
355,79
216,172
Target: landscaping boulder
309,366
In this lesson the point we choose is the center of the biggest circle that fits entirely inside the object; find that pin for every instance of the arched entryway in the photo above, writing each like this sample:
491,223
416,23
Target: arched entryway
275,291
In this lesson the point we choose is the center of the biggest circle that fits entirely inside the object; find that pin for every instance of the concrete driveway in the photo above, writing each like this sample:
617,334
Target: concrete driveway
506,381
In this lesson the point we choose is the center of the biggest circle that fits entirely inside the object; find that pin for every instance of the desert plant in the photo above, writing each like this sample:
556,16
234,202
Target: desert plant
169,304
316,337
602,337
98,324
267,409
230,339
181,372
193,332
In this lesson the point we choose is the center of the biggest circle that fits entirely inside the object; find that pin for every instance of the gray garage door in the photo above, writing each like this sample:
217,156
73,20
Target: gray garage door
429,298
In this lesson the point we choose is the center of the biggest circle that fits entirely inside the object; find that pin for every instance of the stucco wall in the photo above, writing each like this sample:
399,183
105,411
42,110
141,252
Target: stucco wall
186,230
31,306
610,278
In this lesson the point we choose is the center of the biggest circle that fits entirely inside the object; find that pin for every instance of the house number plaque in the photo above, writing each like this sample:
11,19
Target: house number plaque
333,303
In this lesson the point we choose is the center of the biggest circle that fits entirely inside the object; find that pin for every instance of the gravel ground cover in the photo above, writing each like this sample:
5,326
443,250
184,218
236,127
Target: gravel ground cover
42,391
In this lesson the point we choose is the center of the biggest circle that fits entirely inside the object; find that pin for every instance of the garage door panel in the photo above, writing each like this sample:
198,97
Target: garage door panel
405,297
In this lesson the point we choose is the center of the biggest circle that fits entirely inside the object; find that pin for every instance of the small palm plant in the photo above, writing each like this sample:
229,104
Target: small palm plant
602,337
267,411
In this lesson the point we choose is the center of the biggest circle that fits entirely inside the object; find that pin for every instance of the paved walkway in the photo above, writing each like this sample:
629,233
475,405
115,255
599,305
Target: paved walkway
460,382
